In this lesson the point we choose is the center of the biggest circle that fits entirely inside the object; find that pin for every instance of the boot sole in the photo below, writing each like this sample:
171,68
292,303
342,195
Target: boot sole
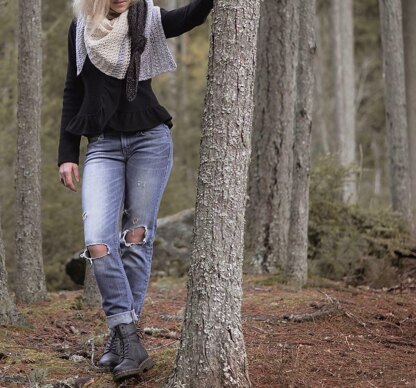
143,367
105,369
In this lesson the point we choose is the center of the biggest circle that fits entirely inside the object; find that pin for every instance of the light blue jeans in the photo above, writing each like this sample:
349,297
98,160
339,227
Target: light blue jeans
124,177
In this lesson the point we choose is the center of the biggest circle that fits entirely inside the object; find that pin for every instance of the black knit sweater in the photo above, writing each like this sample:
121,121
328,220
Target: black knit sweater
144,112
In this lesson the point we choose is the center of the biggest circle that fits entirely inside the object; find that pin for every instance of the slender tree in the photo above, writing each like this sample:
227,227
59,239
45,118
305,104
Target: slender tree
344,88
297,268
270,173
92,296
378,168
30,284
212,351
3,4
171,92
395,101
8,311
182,99
321,140
409,36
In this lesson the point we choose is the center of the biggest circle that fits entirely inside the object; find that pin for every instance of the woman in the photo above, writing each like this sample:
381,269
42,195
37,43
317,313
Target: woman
115,47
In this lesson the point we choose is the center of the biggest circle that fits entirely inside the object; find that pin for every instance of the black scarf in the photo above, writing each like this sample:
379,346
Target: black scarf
137,22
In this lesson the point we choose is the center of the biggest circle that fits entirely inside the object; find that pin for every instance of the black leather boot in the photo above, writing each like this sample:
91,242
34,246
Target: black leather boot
134,359
111,356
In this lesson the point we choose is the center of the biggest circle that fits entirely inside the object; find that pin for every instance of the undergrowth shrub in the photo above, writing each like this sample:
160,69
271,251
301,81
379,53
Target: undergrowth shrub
352,242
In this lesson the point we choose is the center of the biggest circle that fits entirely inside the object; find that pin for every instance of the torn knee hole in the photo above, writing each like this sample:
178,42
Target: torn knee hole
98,251
135,236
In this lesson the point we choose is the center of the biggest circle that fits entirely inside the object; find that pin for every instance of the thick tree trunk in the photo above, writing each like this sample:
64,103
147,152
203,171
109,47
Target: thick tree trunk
270,173
8,311
409,36
30,284
395,97
297,268
212,351
344,88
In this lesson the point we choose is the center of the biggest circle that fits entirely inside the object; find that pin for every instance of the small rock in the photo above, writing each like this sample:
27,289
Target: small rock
76,358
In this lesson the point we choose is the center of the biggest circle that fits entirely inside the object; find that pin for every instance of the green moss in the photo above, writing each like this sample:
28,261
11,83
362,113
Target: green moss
268,280
164,359
181,244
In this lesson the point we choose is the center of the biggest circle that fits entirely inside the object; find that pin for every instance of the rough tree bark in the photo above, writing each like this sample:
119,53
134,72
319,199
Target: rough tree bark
9,314
344,88
321,143
92,296
30,284
409,36
270,172
297,263
395,101
212,351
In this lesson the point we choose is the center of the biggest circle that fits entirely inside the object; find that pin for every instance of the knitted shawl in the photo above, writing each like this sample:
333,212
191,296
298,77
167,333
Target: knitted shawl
140,55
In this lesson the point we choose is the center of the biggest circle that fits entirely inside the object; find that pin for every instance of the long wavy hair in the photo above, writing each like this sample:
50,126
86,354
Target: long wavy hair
97,10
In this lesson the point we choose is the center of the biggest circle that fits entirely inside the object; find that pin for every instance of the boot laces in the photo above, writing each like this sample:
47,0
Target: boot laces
111,345
124,349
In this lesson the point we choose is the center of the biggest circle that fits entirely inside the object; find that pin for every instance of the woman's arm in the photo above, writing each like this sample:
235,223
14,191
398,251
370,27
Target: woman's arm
72,100
184,19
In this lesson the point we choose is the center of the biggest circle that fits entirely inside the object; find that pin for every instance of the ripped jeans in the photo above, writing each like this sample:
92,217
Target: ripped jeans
125,175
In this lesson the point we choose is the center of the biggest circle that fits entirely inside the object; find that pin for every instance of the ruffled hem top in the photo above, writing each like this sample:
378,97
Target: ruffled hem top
94,101
105,106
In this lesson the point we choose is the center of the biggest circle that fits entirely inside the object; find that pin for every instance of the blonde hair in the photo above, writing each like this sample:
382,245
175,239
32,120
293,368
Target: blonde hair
97,10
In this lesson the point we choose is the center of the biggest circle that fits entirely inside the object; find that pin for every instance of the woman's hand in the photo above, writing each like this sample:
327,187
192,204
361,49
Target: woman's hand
67,171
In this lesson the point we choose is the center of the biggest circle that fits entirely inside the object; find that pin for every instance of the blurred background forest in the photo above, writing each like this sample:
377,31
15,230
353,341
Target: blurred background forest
341,235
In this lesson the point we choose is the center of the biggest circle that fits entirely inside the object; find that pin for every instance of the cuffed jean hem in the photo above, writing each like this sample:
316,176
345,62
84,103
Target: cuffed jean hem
117,319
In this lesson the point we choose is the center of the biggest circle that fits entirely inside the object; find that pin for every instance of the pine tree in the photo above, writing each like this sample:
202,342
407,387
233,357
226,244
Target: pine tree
212,351
270,173
297,262
395,101
30,284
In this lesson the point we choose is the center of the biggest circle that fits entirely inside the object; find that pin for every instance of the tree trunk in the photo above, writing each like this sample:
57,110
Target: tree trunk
182,74
30,278
270,173
3,4
320,138
212,351
8,311
171,92
92,296
409,36
344,89
297,268
378,169
395,97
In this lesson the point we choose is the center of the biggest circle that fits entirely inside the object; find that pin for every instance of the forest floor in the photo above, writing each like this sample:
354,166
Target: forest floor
327,335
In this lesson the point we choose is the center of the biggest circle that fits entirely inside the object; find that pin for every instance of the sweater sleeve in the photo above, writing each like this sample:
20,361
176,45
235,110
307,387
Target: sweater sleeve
184,19
69,143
